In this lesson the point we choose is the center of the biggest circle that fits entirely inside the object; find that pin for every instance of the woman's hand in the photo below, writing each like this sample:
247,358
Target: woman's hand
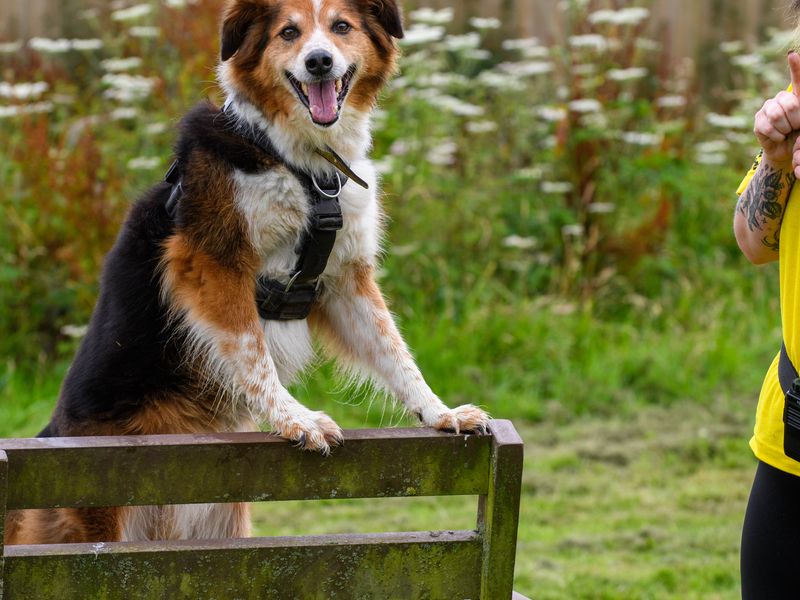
759,212
777,124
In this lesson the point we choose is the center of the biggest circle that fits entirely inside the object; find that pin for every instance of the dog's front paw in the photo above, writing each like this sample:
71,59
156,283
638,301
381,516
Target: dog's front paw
311,430
466,418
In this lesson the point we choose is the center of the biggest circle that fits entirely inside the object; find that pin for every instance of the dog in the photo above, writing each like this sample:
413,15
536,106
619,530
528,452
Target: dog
261,236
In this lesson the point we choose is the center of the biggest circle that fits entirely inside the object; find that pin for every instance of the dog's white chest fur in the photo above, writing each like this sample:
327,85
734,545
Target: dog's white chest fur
275,207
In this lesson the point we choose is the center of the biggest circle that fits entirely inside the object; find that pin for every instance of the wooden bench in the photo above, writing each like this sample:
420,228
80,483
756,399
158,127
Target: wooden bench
258,467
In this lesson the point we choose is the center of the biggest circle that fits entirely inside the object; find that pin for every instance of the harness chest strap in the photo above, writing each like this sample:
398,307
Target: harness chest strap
292,300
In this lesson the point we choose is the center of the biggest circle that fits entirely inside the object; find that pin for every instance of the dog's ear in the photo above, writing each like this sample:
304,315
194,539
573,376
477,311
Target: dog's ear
387,13
238,18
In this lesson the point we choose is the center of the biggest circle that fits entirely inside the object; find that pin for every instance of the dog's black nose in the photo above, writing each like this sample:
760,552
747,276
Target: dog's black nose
319,63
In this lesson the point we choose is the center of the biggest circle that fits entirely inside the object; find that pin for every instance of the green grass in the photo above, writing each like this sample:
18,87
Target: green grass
637,466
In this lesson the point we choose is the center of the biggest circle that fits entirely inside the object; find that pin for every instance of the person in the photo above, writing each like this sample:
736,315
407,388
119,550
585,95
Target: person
767,228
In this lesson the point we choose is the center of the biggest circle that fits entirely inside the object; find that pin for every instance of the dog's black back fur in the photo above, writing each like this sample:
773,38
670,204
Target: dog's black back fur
132,350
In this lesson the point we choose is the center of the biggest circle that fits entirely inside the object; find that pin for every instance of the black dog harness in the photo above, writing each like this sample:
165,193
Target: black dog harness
294,299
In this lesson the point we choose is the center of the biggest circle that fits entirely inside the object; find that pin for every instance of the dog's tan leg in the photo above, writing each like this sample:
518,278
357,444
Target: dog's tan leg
217,307
354,319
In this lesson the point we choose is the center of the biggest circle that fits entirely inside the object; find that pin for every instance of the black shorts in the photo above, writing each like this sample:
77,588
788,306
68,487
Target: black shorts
770,559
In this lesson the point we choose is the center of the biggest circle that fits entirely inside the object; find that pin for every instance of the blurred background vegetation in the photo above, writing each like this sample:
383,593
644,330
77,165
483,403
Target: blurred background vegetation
560,180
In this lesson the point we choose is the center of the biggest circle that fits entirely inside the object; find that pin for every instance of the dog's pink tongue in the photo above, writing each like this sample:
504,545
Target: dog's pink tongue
322,100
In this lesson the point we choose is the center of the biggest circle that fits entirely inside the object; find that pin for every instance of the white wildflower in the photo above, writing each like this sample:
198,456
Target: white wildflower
728,121
453,105
422,34
431,16
460,43
601,208
713,147
49,46
132,13
478,127
10,47
736,137
526,69
443,154
572,230
556,187
585,105
552,114
487,23
747,61
639,138
625,16
733,47
519,242
521,44
537,52
592,41
711,159
23,91
530,174
86,45
144,31
179,3
671,101
117,65
74,331
648,45
502,81
25,109
128,88
155,128
402,147
477,54
144,163
584,70
442,80
384,165
631,74
122,114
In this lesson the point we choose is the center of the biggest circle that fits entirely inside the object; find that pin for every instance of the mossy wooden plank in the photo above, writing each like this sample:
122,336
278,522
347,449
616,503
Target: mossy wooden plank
105,471
3,494
498,518
430,565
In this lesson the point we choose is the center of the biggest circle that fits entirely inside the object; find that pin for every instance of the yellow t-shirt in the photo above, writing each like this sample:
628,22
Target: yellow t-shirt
767,441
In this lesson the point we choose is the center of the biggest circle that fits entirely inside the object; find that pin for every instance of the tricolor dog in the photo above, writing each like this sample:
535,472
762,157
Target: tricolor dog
265,233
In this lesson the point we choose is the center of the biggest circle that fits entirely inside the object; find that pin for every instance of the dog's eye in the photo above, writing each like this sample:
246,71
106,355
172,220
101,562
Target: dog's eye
342,27
290,33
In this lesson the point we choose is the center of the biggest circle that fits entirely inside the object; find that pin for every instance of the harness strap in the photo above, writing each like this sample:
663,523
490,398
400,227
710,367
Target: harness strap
786,371
292,300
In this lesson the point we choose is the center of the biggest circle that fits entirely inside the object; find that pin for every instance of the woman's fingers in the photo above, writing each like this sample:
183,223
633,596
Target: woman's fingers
765,129
790,104
773,111
796,157
794,69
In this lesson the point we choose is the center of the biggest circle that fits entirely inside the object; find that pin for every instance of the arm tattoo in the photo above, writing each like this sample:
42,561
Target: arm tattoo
763,203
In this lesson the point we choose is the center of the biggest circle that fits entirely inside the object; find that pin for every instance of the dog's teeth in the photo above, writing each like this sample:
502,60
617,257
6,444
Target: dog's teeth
304,87
338,85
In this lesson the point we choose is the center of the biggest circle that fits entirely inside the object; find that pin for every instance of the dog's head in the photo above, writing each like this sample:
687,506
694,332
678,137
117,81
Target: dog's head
311,60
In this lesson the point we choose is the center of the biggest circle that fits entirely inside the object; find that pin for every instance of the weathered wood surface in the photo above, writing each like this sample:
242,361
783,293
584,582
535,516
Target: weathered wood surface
168,469
498,512
98,471
435,565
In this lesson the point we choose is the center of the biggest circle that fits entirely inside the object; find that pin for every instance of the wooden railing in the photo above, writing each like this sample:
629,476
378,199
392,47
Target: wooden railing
171,469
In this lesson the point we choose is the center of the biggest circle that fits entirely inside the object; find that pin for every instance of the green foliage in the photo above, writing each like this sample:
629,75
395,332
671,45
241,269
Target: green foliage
560,250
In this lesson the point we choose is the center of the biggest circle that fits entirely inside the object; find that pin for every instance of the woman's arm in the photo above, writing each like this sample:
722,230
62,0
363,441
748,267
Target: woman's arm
759,212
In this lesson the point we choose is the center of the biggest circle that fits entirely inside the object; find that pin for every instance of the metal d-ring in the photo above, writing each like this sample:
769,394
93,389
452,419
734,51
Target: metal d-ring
291,281
323,192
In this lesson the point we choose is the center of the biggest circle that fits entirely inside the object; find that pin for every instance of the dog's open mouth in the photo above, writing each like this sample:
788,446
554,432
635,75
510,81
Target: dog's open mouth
324,98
